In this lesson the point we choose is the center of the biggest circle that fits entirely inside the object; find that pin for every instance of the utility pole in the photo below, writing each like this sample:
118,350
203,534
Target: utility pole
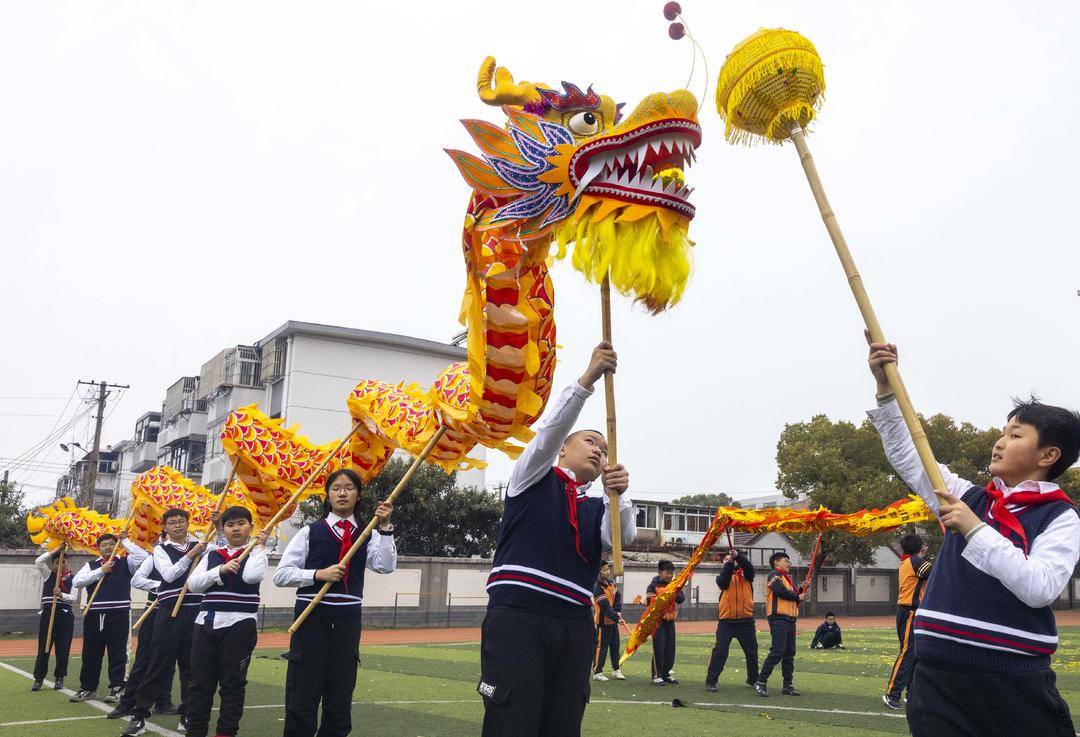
90,478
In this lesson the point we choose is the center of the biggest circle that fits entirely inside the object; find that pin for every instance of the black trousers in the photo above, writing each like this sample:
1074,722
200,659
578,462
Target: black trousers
663,648
726,631
323,657
103,631
63,627
946,703
534,672
139,667
170,648
219,657
900,676
607,640
781,650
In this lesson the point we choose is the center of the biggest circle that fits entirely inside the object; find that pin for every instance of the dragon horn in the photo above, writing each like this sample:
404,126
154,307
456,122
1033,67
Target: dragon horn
504,91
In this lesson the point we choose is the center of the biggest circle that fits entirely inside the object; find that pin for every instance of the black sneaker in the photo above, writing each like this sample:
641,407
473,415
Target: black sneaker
137,725
182,726
891,703
671,681
118,712
36,685
710,687
169,708
58,683
84,695
761,689
790,691
115,692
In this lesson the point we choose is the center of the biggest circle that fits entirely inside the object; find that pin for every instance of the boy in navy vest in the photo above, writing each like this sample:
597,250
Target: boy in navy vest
174,558
537,640
225,628
325,650
984,631
106,624
63,625
145,579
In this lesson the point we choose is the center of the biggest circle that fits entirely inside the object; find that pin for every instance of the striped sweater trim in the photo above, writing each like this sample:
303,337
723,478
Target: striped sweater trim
537,580
980,633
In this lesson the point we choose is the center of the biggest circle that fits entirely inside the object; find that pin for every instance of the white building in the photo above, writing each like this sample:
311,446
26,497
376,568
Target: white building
306,372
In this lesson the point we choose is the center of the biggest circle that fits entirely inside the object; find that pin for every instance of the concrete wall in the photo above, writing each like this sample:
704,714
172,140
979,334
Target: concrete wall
450,592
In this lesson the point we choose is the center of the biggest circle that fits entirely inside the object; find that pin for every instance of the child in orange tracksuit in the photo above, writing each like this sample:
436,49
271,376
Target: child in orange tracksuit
664,637
782,600
607,614
735,618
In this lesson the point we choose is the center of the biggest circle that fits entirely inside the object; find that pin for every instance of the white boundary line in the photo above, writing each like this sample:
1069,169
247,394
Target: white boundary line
100,706
50,721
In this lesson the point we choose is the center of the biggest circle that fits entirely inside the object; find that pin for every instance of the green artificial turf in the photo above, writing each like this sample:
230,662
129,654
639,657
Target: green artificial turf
429,691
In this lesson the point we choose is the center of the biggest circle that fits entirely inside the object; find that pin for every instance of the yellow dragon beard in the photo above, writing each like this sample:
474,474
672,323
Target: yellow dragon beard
645,250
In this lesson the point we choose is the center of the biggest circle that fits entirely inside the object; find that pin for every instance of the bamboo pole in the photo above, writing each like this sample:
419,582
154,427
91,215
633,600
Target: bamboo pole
417,462
112,555
612,438
206,535
892,373
142,618
55,596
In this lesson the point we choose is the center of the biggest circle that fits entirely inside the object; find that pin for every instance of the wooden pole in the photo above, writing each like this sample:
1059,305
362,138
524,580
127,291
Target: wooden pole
206,535
142,618
277,518
892,373
612,438
417,462
55,596
112,555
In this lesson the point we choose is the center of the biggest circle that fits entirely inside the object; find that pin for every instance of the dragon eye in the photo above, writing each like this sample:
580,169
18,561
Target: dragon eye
583,124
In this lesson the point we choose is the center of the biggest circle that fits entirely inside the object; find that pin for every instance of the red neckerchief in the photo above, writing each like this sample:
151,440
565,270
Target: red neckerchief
346,526
1001,516
786,578
572,487
904,557
224,553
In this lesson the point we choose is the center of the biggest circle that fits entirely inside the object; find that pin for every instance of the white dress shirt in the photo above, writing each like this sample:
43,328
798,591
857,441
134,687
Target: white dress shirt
542,452
1036,579
168,570
141,578
88,575
44,566
381,554
203,578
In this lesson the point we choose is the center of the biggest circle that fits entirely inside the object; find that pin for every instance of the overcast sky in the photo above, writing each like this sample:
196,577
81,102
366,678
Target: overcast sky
179,177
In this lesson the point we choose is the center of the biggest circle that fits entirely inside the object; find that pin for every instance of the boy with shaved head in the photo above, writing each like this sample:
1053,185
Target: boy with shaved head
538,639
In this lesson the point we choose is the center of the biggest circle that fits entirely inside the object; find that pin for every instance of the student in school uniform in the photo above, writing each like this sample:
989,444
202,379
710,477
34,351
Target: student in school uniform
325,650
106,623
735,618
914,572
145,579
663,639
985,629
782,600
538,640
63,621
607,616
225,627
174,559
828,635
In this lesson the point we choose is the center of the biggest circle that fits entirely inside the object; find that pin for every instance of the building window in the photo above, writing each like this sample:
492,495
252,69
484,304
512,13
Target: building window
646,517
674,521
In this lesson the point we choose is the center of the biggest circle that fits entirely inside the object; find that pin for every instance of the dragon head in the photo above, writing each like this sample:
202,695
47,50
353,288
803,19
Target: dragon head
568,167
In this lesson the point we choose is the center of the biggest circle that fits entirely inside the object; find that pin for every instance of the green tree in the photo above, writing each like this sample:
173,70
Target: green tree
12,517
719,499
842,466
432,516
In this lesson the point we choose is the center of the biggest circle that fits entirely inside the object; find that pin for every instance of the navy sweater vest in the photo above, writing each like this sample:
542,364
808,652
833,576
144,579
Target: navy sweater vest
234,595
168,591
969,619
536,564
115,591
47,592
345,597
